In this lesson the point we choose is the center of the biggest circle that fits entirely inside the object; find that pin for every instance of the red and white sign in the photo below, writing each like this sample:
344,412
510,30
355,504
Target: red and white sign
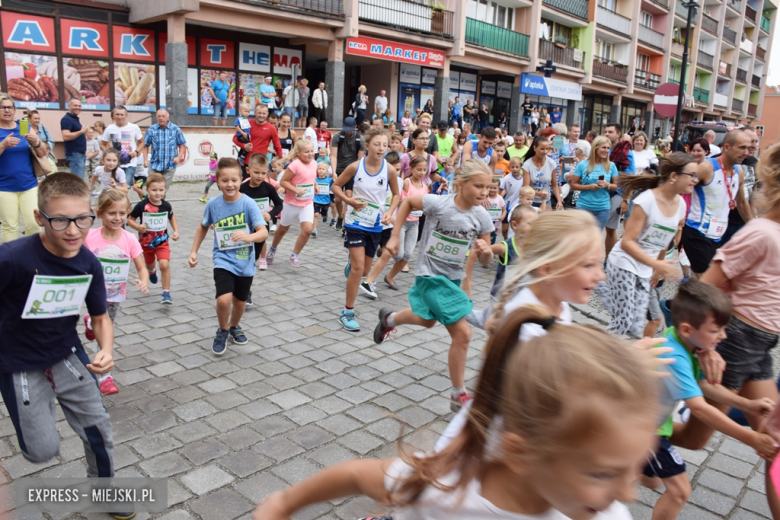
84,38
162,39
284,59
394,51
133,44
665,99
219,54
30,33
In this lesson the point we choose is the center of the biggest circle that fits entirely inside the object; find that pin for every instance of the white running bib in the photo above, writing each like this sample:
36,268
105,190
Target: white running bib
494,213
115,270
659,236
156,221
447,249
717,228
418,213
55,296
324,189
308,191
263,204
367,216
224,234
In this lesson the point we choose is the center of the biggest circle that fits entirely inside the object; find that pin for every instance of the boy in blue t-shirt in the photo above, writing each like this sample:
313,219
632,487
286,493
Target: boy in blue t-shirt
238,224
700,313
323,198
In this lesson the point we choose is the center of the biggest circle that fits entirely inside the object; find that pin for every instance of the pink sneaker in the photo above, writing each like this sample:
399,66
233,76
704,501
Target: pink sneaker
108,387
88,332
294,260
269,257
459,401
261,264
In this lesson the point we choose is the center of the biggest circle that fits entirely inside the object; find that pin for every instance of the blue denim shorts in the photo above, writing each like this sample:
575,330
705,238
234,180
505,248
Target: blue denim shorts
220,109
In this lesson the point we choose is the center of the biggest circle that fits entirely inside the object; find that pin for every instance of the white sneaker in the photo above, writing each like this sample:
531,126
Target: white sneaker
368,289
273,227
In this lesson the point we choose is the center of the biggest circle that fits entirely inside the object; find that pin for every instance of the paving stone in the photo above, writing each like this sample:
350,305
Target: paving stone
194,410
356,395
305,414
278,449
186,394
157,421
331,454
289,399
155,404
415,416
204,451
295,471
165,466
226,421
165,369
257,488
244,463
730,466
392,402
739,451
360,442
713,502
192,431
240,438
224,504
332,404
179,514
206,479
310,437
339,424
720,482
215,386
151,445
756,503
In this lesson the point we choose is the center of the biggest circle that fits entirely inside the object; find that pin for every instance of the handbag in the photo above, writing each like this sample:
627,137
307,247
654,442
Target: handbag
41,165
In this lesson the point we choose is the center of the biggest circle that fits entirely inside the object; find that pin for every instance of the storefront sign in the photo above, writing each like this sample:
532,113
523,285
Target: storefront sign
454,80
504,90
84,38
428,76
488,88
393,51
468,82
550,87
216,53
256,58
162,39
284,59
27,32
196,166
133,44
410,74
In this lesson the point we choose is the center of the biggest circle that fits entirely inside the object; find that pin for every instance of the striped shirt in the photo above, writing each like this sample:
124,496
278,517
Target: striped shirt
165,144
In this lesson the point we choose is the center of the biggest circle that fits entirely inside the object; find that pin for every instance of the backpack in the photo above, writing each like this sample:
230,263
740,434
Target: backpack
342,136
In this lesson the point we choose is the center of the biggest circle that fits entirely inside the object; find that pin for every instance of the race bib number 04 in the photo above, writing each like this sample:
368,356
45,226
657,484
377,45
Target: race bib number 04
447,249
156,221
224,234
308,191
115,270
55,296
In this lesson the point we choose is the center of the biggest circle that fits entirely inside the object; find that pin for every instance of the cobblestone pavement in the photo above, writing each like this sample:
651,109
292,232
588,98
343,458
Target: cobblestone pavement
303,394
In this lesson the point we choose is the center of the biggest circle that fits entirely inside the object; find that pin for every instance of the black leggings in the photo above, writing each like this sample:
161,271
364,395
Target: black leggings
420,227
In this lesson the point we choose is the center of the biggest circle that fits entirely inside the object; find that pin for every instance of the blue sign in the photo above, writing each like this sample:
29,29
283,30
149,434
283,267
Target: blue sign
550,87
532,84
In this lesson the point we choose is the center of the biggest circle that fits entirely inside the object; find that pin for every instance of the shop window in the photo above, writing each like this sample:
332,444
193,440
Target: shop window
647,19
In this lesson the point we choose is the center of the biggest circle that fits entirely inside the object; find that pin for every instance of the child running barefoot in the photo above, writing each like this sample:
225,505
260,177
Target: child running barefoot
213,161
299,182
455,224
577,411
110,175
322,198
115,248
233,214
155,213
263,193
373,179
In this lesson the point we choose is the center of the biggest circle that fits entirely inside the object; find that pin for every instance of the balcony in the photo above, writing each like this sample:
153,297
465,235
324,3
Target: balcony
404,15
736,105
752,109
578,8
765,24
559,54
724,69
746,46
742,76
705,60
678,48
613,21
488,35
735,4
750,14
646,79
651,37
610,70
760,53
730,36
709,24
662,3
330,8
682,12
756,81
701,95
721,100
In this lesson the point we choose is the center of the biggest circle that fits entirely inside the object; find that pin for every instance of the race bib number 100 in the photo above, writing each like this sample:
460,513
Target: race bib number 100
447,249
55,296
156,221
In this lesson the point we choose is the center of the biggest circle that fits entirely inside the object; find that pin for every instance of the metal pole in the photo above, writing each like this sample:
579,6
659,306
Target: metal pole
677,143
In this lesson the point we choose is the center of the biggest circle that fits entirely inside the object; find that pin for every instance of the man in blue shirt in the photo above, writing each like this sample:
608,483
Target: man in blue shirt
457,112
555,116
618,206
219,90
168,147
75,139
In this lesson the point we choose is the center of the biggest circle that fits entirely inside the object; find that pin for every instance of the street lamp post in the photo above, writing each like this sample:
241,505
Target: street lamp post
677,144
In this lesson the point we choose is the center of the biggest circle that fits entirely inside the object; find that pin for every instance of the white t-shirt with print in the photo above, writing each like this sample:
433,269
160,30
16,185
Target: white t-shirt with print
105,177
124,140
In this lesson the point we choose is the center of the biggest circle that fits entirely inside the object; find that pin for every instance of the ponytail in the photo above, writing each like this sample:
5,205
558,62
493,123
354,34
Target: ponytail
673,163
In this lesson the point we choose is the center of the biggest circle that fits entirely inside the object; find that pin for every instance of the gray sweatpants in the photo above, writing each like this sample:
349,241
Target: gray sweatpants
29,399
407,239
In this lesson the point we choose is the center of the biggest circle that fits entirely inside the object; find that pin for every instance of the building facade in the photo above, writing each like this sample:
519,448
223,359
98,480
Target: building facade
603,59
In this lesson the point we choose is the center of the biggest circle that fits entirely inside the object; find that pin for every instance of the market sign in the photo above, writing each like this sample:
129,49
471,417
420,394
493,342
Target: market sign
27,32
218,54
394,51
85,38
133,44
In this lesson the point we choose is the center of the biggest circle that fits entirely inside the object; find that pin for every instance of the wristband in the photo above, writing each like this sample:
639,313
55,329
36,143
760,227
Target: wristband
38,145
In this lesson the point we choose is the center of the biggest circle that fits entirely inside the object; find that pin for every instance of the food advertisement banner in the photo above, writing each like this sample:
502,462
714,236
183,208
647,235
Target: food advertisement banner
207,77
87,80
134,86
33,80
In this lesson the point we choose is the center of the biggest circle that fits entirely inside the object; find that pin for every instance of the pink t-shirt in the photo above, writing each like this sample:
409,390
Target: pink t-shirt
751,260
303,174
423,190
126,247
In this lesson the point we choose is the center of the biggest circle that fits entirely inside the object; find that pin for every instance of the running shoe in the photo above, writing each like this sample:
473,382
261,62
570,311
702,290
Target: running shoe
332,222
153,277
261,264
339,224
269,258
382,329
405,269
314,233
347,268
325,219
123,516
249,300
294,260
220,342
166,298
348,321
202,199
237,335
459,401
88,332
273,228
368,289
108,387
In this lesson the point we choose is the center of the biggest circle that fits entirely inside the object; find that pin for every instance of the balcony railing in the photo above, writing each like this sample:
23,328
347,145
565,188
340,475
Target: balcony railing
736,105
742,76
699,94
559,54
705,60
678,48
682,12
752,109
613,21
664,3
765,23
333,8
760,53
646,79
488,35
721,100
408,16
651,37
746,46
730,35
756,81
750,14
735,4
724,69
610,70
677,82
578,8
709,24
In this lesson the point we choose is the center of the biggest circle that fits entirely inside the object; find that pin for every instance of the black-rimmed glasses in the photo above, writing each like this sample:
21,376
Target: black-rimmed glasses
62,223
692,175
6,107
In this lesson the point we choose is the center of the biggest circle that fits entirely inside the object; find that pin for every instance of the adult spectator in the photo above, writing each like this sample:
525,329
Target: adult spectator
303,102
454,130
378,122
590,136
483,117
406,121
469,112
644,157
168,147
319,99
457,112
555,115
126,138
433,144
623,157
261,134
268,93
289,100
428,109
380,102
482,149
311,131
594,179
361,102
219,90
324,136
18,185
35,123
736,222
720,189
527,107
569,151
518,148
710,136
75,139
444,143
347,147
469,135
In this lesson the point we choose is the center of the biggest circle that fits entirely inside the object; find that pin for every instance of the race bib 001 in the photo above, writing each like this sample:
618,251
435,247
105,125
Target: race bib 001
156,221
224,234
55,296
308,191
447,249
115,270
263,204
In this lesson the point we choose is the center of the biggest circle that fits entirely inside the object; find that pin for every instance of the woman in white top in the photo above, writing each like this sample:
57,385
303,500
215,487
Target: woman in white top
643,156
539,173
637,260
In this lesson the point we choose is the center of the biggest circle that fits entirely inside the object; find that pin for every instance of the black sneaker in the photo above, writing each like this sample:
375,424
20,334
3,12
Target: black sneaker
382,330
220,342
123,516
332,222
339,224
237,335
368,289
249,300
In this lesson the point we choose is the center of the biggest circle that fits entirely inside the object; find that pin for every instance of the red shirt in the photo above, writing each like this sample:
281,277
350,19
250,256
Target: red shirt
260,136
323,137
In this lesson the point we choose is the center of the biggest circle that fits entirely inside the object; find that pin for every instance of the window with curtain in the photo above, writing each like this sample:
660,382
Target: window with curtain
647,19
605,50
642,61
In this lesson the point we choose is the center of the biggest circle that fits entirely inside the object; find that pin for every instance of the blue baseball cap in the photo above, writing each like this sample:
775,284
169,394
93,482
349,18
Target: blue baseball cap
349,124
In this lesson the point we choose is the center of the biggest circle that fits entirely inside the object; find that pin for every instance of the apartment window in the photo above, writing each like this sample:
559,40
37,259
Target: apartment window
607,4
489,12
562,33
642,61
647,19
501,16
605,50
674,72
